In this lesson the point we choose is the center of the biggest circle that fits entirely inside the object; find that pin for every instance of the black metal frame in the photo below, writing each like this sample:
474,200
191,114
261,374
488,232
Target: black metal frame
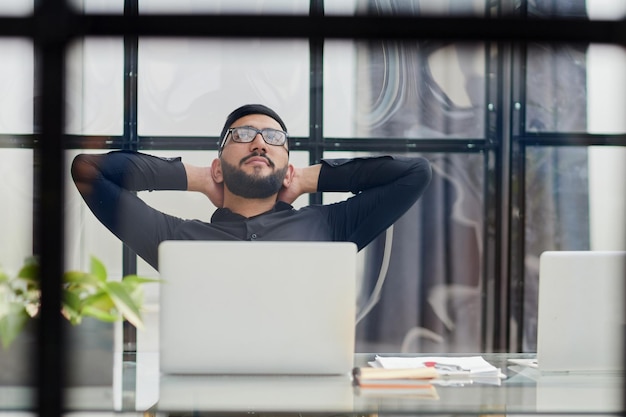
54,24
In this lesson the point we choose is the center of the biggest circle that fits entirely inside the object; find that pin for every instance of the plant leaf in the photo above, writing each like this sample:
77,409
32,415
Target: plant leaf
30,270
137,280
3,277
98,269
101,301
103,315
80,278
124,303
71,301
12,323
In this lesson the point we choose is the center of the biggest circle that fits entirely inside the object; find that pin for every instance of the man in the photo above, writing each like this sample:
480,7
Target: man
253,184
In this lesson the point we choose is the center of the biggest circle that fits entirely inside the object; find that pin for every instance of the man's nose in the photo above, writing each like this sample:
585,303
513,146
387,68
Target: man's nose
258,143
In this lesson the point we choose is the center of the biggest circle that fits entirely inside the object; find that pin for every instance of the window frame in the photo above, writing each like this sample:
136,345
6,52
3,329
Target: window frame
54,24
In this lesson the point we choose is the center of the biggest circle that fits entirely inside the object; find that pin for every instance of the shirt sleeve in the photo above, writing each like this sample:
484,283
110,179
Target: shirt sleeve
108,183
384,187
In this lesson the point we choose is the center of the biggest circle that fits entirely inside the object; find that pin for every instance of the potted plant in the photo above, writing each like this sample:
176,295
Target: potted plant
90,300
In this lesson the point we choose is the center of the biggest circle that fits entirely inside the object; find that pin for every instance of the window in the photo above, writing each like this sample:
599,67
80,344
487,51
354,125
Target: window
526,141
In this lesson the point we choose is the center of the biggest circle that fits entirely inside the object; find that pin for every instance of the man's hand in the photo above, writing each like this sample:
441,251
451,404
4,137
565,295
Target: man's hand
304,181
289,193
200,179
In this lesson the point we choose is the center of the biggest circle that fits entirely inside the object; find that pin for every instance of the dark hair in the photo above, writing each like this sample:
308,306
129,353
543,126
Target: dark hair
246,110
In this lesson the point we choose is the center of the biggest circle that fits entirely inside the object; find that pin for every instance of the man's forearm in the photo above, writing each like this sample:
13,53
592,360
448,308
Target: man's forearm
132,171
197,177
308,178
359,174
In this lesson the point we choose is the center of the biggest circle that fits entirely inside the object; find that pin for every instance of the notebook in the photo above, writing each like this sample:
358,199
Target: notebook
257,307
581,311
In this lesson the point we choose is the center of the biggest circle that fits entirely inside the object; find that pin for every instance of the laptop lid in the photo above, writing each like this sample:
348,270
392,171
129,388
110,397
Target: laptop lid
581,311
257,307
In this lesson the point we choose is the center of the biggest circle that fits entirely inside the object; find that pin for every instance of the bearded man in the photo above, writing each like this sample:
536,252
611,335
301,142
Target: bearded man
252,184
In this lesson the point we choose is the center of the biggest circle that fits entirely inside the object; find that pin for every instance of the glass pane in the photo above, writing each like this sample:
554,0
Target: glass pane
404,90
16,210
407,7
430,298
592,9
85,236
606,9
16,245
341,7
557,8
226,6
188,87
94,343
574,201
575,88
16,7
16,215
95,87
98,6
16,84
556,93
409,90
606,89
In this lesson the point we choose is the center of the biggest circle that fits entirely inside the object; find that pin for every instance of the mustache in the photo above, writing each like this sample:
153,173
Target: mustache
256,154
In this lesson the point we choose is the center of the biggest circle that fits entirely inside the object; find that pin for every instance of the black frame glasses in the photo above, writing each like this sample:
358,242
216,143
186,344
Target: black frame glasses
243,134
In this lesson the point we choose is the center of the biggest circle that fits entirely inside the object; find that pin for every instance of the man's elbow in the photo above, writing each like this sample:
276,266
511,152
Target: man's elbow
84,172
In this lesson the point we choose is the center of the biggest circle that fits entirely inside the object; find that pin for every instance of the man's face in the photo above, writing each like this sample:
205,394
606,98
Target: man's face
254,169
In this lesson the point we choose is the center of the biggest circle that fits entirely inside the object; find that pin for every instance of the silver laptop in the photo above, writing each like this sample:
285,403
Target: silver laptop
581,311
257,307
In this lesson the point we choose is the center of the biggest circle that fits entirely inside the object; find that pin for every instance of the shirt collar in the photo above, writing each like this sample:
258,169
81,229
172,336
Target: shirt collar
226,215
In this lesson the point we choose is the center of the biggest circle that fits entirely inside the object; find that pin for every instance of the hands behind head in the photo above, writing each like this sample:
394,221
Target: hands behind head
215,192
200,179
303,180
295,189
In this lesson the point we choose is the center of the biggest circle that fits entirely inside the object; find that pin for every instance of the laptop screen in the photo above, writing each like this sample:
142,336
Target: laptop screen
581,311
257,307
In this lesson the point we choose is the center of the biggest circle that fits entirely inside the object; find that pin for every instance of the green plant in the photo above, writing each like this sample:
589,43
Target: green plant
85,294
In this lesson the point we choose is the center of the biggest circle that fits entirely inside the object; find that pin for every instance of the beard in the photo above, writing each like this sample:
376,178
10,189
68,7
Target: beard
252,186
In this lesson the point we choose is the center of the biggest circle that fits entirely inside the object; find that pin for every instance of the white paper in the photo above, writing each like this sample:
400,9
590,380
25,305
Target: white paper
471,366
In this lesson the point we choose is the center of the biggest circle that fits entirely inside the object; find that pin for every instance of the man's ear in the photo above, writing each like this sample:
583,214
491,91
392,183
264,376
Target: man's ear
216,171
289,175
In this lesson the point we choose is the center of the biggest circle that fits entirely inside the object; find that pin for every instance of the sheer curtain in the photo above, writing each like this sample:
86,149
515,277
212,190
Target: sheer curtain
431,297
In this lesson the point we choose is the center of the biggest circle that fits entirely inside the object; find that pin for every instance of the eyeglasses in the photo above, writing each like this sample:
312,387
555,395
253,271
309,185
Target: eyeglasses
246,134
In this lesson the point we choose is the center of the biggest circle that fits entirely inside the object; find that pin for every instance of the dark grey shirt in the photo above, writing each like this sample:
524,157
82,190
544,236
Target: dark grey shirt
384,187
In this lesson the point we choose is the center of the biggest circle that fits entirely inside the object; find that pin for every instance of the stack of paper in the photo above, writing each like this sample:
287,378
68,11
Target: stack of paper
412,382
450,370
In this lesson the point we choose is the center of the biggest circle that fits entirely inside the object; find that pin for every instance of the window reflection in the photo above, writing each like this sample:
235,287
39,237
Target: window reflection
16,7
574,201
98,6
16,85
421,90
430,298
409,90
188,87
225,6
556,88
95,87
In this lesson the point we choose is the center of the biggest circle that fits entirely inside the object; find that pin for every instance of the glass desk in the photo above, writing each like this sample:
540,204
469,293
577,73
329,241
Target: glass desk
140,390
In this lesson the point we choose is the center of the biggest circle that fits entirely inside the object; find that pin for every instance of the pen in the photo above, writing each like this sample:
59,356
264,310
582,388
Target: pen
445,367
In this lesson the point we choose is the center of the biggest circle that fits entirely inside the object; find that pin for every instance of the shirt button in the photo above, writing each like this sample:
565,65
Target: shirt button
253,236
